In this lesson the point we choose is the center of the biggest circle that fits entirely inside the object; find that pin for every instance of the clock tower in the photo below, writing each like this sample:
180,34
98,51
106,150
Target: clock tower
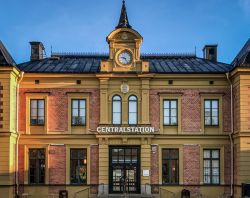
124,49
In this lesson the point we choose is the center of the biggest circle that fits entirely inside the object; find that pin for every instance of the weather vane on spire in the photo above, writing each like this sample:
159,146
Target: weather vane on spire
123,22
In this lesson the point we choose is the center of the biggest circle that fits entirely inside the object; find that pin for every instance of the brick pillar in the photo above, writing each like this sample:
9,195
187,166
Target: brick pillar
191,164
94,168
57,168
155,169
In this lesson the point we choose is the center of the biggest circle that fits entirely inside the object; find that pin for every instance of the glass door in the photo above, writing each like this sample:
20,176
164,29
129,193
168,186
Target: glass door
124,170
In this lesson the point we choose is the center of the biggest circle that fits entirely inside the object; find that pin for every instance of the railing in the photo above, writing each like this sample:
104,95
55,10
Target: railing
168,193
81,191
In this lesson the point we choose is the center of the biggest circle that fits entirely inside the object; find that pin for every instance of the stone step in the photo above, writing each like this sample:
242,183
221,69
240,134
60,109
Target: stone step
126,196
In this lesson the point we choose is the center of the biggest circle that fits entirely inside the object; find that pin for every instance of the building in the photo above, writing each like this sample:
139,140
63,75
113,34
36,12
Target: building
124,122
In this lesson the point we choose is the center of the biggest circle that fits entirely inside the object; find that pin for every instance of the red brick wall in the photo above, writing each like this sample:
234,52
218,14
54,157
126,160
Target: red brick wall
191,167
191,107
94,168
154,168
1,106
57,167
58,108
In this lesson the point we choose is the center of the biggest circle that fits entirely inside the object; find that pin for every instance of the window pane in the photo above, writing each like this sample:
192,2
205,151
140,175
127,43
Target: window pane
166,112
33,112
40,121
173,113
132,118
207,104
82,112
133,98
215,154
116,106
166,121
82,120
215,121
132,106
207,112
75,104
173,104
75,112
41,104
215,112
206,153
33,104
215,104
173,120
82,104
166,104
207,121
41,112
116,118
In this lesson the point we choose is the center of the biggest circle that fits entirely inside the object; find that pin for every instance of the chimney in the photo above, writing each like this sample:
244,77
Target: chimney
210,52
37,50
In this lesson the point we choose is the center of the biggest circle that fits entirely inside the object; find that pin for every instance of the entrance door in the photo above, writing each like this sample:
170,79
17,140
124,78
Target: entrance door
124,171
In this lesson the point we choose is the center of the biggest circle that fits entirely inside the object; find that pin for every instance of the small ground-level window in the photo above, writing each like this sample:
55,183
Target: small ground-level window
170,166
36,166
78,166
211,170
37,112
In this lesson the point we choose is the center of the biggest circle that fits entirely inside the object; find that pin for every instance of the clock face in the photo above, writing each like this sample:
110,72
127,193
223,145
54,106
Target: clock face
125,58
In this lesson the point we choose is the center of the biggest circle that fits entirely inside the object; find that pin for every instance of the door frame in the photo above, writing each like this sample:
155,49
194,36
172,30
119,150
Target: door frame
138,167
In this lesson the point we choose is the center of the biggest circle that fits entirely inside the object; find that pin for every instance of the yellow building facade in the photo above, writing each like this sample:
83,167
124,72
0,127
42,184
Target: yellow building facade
149,125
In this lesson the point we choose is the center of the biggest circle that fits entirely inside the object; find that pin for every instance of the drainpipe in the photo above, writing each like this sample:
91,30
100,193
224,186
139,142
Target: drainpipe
231,138
18,134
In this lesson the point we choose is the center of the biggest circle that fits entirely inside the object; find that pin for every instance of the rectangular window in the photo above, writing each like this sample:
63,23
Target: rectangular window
211,161
211,112
37,112
170,166
78,109
78,166
36,166
170,117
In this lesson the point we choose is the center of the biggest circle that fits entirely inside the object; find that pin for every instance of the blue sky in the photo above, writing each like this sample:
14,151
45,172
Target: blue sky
167,26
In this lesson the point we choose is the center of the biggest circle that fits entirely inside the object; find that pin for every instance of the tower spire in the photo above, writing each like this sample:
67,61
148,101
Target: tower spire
123,22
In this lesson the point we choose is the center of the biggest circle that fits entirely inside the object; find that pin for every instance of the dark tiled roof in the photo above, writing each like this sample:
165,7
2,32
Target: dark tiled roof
90,63
243,57
5,57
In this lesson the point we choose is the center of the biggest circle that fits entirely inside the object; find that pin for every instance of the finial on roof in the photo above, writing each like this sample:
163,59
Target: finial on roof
123,22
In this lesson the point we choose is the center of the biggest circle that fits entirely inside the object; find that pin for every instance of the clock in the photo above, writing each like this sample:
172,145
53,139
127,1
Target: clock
125,58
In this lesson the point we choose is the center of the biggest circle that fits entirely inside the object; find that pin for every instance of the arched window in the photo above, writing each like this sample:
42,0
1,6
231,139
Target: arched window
116,110
132,110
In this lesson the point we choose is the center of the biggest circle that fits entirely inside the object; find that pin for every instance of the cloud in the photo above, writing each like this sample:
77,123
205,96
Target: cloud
245,5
